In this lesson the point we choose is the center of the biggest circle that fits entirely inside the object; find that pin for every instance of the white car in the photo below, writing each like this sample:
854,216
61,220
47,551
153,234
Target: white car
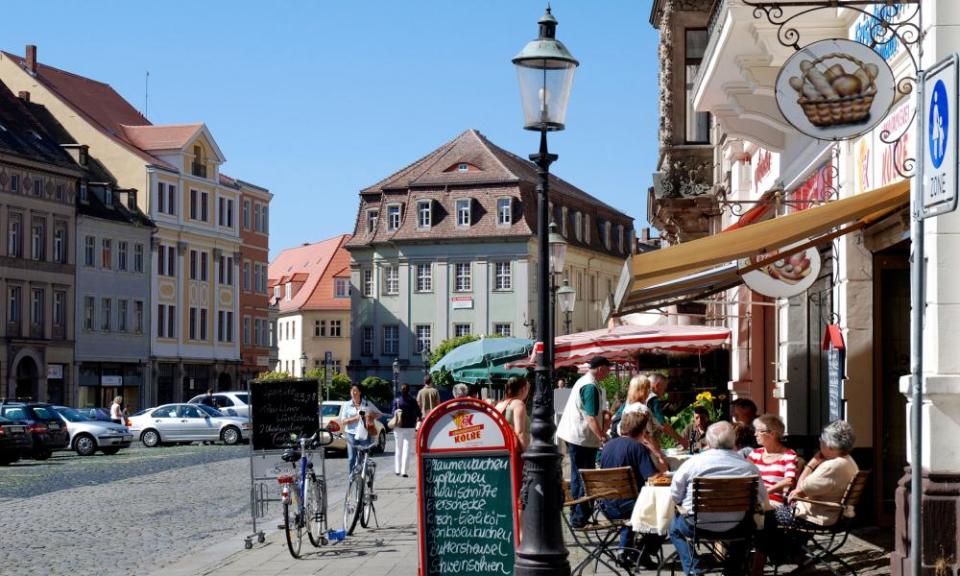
333,414
188,423
230,403
88,435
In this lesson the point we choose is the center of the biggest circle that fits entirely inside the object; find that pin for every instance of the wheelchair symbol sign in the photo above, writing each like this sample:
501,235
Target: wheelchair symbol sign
937,124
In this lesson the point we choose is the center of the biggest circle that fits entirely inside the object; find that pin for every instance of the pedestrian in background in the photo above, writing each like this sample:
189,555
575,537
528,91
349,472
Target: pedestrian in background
116,410
428,397
461,390
209,400
405,431
514,409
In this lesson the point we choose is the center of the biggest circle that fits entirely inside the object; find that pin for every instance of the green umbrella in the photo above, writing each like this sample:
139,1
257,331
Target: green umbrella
485,359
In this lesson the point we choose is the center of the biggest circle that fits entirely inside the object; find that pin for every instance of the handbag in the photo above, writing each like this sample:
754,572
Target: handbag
395,421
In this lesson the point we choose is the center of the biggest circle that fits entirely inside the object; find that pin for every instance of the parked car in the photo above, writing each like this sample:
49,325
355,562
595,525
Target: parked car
230,403
333,414
47,429
14,440
88,435
99,414
187,423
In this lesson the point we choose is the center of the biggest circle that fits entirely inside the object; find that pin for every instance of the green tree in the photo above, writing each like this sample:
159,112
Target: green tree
377,390
273,376
339,387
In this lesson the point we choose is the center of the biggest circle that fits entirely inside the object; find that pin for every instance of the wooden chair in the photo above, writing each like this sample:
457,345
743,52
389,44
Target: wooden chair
604,484
727,495
581,536
821,543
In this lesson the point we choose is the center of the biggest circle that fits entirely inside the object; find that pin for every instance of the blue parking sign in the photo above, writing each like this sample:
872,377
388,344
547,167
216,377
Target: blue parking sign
940,157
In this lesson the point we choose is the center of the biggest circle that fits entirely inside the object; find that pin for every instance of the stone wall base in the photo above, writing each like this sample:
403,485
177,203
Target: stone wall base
941,530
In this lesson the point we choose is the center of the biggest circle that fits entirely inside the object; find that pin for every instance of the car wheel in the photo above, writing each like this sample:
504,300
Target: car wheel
110,451
150,438
382,442
85,445
230,435
42,454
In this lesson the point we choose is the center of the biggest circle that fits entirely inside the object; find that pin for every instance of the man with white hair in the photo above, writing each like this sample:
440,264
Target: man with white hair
718,460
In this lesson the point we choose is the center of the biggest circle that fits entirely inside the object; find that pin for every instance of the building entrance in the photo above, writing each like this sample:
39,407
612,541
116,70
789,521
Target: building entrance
28,379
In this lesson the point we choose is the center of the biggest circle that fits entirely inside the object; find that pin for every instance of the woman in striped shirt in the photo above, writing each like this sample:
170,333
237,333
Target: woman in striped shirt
777,463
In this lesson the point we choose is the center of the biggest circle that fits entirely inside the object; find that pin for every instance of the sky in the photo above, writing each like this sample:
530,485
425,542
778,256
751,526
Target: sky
316,100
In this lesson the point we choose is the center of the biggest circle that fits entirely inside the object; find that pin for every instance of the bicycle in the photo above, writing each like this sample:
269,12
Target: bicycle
358,504
305,507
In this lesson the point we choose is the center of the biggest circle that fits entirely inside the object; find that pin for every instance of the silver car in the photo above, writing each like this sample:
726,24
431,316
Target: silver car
88,435
230,403
187,423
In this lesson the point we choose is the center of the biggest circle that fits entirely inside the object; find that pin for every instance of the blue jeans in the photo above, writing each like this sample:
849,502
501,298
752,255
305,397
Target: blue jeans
680,528
620,510
586,458
352,445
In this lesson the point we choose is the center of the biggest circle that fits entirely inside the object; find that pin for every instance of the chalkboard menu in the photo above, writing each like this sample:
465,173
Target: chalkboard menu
279,408
469,515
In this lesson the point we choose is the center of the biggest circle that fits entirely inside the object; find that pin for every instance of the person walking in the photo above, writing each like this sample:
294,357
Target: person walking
358,409
428,397
405,431
116,410
209,400
580,427
514,409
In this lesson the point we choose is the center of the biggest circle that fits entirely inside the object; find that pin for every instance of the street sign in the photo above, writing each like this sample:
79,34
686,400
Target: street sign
940,115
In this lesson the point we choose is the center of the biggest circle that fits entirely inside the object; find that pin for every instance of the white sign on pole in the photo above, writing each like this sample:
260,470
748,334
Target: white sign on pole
940,114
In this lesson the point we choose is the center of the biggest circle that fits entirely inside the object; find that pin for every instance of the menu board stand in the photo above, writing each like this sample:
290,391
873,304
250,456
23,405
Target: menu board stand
467,491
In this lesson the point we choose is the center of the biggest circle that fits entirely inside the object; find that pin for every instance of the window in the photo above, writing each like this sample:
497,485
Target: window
138,317
463,212
15,183
60,309
607,235
193,264
246,276
391,280
38,187
502,329
226,212
366,342
122,256
106,312
61,192
203,324
393,217
461,330
258,333
204,216
106,253
266,220
319,328
341,287
462,167
293,329
368,283
288,291
138,257
502,278
122,310
564,216
13,306
89,302
246,330
192,324
620,238
372,216
171,321
15,235
424,214
424,278
586,228
171,199
697,123
36,307
423,332
38,238
193,204
504,211
60,243
246,214
578,225
462,277
161,320
203,266
391,340
161,197
335,329
256,217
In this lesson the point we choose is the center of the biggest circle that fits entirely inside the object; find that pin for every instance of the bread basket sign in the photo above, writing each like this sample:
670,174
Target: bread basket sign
835,89
783,278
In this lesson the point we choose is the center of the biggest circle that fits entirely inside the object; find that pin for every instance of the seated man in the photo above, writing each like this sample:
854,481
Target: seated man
634,448
718,460
744,412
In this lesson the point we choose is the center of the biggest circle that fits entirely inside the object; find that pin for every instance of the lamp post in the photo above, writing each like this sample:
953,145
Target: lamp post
566,299
545,70
396,377
558,256
303,364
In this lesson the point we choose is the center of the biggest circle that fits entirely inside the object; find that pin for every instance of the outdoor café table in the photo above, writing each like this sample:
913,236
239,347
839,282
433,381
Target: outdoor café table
653,511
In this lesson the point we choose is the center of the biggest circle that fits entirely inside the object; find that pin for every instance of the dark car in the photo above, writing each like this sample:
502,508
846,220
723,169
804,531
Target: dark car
14,440
47,429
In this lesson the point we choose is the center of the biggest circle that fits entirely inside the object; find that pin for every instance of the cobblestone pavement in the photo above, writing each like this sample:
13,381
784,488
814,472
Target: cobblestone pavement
132,513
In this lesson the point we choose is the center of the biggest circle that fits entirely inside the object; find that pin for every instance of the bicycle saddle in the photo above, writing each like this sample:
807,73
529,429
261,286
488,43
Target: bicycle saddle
290,455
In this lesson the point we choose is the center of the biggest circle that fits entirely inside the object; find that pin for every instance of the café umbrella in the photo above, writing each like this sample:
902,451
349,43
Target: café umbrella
485,359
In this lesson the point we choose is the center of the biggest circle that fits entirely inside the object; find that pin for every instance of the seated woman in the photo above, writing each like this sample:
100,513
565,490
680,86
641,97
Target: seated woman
777,463
825,478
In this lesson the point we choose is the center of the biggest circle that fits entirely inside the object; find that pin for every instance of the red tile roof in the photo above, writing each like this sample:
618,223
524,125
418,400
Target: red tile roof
165,137
319,263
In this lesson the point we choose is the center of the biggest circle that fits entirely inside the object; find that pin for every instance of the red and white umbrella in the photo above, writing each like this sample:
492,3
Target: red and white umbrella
621,343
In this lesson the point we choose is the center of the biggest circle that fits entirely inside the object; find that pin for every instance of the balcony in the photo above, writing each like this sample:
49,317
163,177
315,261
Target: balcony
199,170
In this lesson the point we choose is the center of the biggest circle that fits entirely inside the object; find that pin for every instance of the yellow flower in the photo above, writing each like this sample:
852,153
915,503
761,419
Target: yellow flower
705,397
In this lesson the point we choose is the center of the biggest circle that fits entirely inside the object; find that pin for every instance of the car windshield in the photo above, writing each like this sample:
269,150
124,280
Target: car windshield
72,415
243,398
331,410
209,410
44,413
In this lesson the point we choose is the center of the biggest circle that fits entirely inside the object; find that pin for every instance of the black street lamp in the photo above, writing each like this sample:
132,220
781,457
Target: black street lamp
545,69
396,377
566,299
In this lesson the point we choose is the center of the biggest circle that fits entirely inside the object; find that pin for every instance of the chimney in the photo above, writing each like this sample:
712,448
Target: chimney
23,95
32,59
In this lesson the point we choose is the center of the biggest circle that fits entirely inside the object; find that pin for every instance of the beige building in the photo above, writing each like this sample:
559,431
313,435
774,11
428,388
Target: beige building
311,297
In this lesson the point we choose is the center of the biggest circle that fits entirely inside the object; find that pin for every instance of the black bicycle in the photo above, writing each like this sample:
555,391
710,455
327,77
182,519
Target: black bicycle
358,504
305,506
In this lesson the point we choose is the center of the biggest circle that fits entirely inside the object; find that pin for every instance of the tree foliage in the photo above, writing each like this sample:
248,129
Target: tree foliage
377,390
269,376
339,387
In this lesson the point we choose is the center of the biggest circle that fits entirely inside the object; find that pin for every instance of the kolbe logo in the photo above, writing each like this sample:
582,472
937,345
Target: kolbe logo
937,123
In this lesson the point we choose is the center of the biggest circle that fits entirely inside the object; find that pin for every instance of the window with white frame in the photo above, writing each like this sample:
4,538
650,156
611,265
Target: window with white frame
366,341
59,308
138,257
620,238
15,235
89,313
504,211
424,332
424,214
393,217
461,330
138,317
257,222
37,307
372,217
391,340
607,234
391,280
336,328
341,287
319,328
503,329
368,283
246,331
246,214
60,243
564,216
246,275
424,278
586,228
39,239
502,277
578,225
463,212
122,312
122,250
106,314
13,306
106,253
462,279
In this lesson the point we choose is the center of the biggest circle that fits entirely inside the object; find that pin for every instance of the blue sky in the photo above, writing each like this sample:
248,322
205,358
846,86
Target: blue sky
318,99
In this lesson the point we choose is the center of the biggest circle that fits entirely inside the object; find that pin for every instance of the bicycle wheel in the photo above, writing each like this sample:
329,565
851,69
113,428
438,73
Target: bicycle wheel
367,510
353,503
313,511
293,529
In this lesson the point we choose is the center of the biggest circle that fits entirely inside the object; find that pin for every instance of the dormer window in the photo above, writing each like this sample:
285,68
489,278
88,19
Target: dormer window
504,211
606,234
563,221
586,228
463,167
463,212
276,292
620,238
424,214
199,167
288,287
372,217
108,196
393,217
578,225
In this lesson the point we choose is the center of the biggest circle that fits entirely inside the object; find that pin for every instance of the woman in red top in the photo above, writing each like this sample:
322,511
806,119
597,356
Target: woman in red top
777,463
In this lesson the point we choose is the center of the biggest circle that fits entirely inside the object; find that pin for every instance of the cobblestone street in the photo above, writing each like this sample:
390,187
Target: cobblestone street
132,513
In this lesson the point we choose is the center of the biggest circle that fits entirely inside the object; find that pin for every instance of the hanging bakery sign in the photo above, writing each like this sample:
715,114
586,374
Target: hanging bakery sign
781,277
835,89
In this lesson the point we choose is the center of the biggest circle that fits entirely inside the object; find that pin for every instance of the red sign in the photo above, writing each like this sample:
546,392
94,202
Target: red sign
764,163
815,190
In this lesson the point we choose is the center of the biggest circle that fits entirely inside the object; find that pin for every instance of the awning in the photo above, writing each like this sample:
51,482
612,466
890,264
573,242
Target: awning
707,265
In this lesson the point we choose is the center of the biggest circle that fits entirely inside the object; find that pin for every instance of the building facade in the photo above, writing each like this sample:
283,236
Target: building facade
39,183
447,247
258,350
310,293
